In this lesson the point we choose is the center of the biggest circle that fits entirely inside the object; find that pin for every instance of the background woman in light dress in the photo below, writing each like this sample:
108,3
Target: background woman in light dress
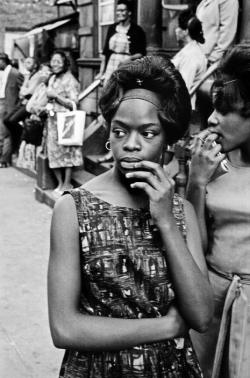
63,89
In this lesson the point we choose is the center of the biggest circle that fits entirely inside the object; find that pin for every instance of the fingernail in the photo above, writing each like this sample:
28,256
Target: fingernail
128,175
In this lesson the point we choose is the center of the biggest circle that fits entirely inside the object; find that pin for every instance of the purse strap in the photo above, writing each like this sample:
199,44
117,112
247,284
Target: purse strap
73,106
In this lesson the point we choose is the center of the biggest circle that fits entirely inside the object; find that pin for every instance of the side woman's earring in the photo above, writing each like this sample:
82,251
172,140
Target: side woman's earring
107,145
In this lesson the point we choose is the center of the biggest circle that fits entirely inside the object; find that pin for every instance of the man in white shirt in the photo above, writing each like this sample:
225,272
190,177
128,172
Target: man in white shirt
10,82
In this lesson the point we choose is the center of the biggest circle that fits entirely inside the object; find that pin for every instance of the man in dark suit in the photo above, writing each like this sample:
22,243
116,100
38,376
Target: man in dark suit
10,82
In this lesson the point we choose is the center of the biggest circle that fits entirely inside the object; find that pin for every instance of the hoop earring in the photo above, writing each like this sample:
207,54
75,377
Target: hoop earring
107,145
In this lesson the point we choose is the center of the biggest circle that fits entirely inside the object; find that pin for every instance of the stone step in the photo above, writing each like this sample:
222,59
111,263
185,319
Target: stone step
48,196
93,166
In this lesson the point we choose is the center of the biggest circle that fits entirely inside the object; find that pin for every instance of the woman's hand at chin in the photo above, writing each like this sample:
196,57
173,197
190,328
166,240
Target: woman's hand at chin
159,187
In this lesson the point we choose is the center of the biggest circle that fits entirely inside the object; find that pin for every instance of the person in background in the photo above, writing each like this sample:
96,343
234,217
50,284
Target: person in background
33,125
10,83
127,276
63,89
125,41
221,197
38,101
19,113
219,20
15,63
190,60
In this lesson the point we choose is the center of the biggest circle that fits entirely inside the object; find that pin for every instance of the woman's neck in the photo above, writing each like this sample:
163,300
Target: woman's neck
58,74
134,198
125,22
240,156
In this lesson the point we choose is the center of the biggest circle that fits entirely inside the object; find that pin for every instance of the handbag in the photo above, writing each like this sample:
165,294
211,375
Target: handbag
33,131
70,127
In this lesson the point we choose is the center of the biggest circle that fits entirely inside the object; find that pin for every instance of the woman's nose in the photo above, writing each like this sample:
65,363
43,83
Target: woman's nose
132,142
213,120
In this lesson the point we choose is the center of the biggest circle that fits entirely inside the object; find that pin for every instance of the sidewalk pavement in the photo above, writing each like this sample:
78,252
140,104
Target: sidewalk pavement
26,347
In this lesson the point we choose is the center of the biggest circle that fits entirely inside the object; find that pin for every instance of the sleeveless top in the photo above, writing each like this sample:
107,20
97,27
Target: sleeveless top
228,205
125,275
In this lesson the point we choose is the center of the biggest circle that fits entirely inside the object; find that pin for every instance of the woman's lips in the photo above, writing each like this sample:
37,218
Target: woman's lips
129,163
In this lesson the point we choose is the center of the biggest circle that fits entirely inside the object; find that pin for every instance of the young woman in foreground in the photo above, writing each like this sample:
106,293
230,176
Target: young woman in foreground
127,277
222,204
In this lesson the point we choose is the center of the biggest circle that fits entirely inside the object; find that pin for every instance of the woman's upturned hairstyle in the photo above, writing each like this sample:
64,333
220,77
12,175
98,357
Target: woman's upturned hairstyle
158,75
64,57
184,17
231,89
195,30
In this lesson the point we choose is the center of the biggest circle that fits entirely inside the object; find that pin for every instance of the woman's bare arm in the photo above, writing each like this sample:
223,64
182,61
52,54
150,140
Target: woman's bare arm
188,271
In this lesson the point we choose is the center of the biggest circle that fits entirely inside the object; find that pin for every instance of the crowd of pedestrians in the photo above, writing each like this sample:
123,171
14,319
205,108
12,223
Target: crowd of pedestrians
142,282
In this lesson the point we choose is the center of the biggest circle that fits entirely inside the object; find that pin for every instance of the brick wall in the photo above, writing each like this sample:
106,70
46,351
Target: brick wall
24,14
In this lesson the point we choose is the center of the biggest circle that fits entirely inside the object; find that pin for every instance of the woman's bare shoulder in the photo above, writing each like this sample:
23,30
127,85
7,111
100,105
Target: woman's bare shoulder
98,183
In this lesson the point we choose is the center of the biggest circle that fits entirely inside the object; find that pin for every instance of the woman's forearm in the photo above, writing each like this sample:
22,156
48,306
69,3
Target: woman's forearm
196,194
64,101
135,56
191,285
93,333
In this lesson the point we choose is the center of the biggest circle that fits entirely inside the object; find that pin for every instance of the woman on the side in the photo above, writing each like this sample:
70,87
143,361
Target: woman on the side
190,60
127,276
222,203
63,90
125,41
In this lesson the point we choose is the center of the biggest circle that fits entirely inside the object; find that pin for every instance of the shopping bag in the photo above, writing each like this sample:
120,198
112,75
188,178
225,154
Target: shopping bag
70,127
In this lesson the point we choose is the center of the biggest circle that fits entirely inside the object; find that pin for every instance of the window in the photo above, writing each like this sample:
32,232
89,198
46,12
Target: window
106,12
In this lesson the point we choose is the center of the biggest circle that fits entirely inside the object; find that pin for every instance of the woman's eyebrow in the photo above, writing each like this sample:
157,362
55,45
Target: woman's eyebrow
125,125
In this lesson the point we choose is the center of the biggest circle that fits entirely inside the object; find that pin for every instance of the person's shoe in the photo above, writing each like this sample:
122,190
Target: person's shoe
66,188
3,164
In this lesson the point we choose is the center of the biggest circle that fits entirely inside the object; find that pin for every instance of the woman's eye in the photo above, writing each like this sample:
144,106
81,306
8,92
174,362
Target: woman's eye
148,134
118,132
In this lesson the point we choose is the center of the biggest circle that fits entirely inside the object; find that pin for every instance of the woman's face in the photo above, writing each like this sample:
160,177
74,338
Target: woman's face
136,134
57,63
181,35
45,73
29,64
122,13
233,130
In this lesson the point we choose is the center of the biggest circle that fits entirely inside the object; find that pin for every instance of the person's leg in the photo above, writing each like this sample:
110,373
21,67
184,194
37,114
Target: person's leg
58,173
67,179
5,159
12,123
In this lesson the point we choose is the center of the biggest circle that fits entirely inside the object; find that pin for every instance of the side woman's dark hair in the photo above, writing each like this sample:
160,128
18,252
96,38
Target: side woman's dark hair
195,30
184,17
127,3
158,75
64,58
231,89
5,58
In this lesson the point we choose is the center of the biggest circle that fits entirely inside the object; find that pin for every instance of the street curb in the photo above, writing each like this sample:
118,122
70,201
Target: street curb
45,196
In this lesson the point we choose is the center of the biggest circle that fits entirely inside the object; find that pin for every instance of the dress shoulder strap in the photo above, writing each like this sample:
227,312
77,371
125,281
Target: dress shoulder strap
81,200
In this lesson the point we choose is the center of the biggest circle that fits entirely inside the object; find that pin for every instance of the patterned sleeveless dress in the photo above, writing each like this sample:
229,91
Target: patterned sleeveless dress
125,275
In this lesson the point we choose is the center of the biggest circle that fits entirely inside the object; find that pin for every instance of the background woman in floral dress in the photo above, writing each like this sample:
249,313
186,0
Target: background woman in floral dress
63,90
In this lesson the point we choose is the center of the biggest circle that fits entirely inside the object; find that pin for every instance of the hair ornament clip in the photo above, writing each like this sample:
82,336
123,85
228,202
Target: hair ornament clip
139,82
228,82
